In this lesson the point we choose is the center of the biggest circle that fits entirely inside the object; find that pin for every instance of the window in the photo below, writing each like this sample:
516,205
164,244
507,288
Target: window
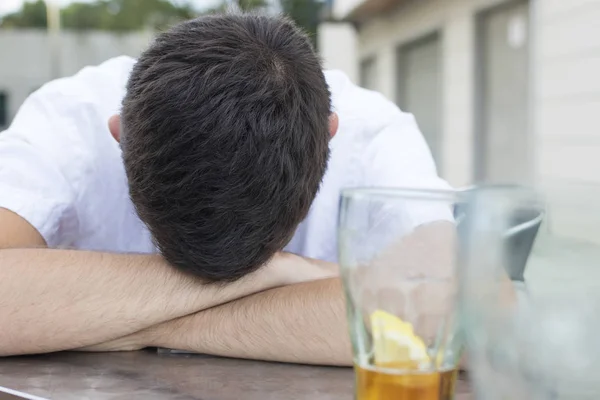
419,89
368,73
3,109
503,141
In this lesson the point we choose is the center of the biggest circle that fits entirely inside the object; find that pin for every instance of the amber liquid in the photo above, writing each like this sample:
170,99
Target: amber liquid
374,383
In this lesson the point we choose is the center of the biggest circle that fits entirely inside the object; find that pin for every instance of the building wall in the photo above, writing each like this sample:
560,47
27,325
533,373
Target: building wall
337,47
27,62
567,114
342,7
381,37
565,101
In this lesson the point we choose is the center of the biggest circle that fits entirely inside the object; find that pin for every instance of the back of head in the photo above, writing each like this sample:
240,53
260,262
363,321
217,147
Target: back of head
225,140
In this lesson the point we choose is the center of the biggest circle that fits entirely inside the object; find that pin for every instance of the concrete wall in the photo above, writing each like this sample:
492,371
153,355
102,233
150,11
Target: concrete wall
567,114
25,63
454,20
565,101
342,7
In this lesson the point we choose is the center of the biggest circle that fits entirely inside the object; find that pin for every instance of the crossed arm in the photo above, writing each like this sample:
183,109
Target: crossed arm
51,300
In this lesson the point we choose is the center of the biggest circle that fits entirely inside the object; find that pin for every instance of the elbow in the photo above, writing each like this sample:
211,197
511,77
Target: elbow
339,360
14,343
8,349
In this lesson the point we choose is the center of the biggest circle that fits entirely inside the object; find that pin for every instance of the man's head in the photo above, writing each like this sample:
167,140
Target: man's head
225,140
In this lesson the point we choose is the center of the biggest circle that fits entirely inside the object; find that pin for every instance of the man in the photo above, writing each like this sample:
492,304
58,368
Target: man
175,237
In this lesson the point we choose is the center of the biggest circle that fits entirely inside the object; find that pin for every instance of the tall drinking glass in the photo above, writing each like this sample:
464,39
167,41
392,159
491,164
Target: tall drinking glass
540,339
397,254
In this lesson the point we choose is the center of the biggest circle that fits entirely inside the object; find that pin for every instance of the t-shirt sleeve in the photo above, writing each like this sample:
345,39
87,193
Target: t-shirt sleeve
60,169
33,183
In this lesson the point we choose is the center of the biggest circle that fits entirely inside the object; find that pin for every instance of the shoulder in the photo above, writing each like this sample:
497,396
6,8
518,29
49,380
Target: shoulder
364,113
57,158
369,123
75,109
381,144
102,86
66,119
112,72
372,129
370,108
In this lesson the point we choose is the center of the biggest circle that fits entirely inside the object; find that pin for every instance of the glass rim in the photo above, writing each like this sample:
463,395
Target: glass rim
400,192
449,195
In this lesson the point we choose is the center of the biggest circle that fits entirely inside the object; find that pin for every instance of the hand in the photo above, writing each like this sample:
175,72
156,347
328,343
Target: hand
295,269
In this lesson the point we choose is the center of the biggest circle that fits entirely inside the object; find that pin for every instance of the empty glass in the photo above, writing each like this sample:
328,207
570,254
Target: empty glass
539,339
397,251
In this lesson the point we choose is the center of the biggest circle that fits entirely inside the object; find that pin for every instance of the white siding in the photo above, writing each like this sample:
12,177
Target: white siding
565,102
337,47
454,20
568,114
342,7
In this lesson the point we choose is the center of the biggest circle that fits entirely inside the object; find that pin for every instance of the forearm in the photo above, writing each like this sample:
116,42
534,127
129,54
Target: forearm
304,323
53,300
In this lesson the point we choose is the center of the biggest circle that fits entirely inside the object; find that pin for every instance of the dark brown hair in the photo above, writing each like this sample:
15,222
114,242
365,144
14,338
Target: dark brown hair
225,140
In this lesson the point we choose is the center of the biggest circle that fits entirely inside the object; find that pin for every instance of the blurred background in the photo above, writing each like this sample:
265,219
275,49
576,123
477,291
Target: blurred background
505,91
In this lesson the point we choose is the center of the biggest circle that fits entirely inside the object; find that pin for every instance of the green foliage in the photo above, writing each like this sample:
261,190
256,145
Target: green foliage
129,15
306,13
111,15
31,15
248,5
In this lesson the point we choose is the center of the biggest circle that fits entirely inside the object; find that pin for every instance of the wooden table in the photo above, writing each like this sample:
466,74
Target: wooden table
150,376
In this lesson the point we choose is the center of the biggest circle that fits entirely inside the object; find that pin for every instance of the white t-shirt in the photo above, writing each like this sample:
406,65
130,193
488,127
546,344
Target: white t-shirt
61,170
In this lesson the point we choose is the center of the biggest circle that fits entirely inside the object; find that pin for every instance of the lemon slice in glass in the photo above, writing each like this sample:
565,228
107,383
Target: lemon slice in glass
395,343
